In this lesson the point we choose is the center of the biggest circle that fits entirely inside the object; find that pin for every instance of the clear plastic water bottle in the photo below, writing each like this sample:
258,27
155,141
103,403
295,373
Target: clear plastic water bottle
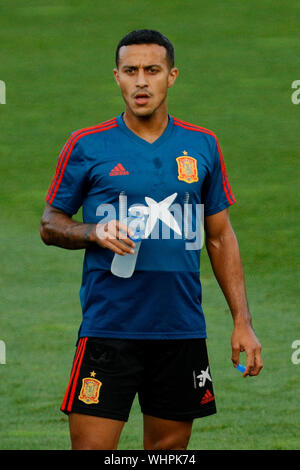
123,266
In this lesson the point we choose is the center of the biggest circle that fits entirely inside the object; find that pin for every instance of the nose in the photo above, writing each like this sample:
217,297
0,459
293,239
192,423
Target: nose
141,78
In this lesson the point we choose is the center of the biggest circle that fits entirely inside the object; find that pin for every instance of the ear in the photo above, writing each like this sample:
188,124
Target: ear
116,75
173,74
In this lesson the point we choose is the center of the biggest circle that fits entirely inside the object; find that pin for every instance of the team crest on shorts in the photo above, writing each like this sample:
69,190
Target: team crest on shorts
187,168
90,390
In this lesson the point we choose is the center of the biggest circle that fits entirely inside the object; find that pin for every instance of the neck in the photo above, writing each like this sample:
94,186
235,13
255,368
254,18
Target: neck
147,127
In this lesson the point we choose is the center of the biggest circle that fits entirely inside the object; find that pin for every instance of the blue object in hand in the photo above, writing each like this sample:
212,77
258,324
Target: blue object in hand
241,368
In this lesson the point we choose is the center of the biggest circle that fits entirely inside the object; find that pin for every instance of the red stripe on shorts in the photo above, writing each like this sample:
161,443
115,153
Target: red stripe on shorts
69,396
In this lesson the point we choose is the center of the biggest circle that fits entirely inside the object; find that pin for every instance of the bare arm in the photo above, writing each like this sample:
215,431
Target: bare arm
59,229
223,250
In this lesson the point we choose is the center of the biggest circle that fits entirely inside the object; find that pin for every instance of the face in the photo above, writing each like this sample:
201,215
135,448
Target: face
144,77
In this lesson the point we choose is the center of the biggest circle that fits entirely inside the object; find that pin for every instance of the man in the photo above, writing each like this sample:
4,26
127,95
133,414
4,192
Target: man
145,334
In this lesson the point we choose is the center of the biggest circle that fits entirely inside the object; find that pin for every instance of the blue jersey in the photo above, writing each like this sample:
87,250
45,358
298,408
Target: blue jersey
180,178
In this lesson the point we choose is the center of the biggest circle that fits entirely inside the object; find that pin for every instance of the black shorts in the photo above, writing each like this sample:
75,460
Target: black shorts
172,378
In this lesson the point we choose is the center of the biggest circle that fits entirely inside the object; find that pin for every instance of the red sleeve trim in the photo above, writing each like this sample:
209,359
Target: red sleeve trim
67,150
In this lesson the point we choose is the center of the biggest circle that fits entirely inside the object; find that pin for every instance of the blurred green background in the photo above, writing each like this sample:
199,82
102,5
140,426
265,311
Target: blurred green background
237,61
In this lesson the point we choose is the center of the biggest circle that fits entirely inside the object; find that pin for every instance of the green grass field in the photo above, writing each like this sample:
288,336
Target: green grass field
237,61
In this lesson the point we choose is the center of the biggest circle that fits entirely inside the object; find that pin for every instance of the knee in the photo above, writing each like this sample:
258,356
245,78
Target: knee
173,442
85,440
94,433
91,444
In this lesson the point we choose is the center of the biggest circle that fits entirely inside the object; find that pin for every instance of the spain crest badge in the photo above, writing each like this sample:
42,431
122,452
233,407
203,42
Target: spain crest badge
90,390
187,168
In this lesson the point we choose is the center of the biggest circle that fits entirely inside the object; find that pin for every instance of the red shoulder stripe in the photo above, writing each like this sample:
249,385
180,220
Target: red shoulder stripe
192,126
204,131
67,146
231,199
68,143
66,152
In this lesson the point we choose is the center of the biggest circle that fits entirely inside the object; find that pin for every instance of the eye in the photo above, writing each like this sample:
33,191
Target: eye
129,71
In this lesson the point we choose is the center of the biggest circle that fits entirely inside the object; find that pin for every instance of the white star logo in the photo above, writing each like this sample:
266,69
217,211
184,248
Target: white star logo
159,210
203,376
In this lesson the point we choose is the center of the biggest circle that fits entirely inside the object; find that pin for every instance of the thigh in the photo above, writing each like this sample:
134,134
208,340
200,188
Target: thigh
177,383
104,379
93,432
164,434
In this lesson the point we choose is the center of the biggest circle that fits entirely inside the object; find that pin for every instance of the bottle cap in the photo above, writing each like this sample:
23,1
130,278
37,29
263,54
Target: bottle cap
137,237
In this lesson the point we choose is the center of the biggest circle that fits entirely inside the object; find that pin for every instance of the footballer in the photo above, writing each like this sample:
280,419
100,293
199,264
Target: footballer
145,335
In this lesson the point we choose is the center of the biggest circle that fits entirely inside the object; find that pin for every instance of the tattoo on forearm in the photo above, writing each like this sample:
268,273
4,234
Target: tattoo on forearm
61,230
87,233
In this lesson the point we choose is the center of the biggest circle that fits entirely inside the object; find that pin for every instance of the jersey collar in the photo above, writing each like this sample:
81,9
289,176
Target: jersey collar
165,135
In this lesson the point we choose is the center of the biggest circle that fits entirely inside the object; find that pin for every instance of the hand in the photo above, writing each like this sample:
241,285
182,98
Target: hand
109,235
244,339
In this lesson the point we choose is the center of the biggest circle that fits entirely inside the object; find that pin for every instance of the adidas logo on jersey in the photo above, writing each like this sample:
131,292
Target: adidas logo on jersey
118,170
207,397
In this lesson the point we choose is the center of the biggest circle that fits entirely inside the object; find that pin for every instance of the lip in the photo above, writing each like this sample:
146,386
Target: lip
142,98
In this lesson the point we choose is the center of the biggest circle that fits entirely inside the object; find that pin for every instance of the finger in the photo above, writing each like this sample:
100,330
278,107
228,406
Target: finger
258,363
123,236
250,362
123,246
106,231
113,228
235,355
124,229
112,231
117,247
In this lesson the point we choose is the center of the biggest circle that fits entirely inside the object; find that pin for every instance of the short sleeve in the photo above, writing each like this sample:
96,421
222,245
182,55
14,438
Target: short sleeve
217,194
66,191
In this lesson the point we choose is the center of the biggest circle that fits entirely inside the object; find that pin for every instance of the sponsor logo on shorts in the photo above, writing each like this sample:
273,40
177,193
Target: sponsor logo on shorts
203,377
208,397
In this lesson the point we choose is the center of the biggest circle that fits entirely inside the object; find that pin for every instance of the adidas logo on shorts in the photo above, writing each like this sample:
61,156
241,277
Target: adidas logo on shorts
207,397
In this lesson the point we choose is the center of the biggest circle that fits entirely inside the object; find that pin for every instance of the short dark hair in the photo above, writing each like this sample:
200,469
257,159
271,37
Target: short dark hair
147,36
